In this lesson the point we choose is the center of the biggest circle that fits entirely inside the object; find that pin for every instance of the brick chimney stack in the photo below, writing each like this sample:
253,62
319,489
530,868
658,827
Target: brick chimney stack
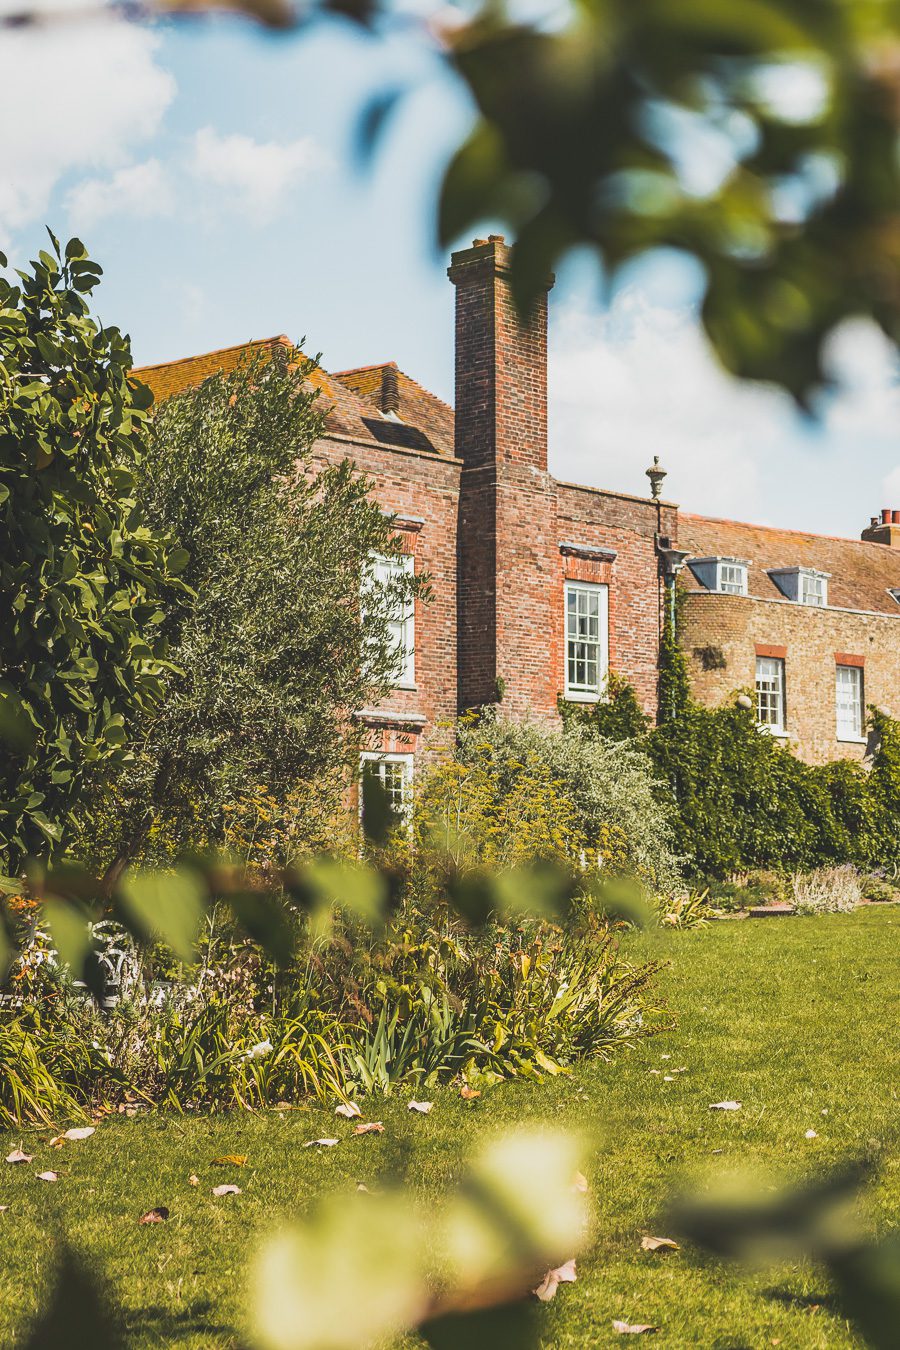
884,531
507,545
501,363
390,389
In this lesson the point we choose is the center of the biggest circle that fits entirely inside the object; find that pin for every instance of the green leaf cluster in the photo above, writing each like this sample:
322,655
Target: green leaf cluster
590,132
84,580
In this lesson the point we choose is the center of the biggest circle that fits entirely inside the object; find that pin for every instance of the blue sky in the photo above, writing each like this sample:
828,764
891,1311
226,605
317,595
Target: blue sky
210,169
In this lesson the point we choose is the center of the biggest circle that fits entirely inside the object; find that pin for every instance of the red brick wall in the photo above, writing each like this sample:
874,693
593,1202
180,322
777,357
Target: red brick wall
811,639
423,486
514,515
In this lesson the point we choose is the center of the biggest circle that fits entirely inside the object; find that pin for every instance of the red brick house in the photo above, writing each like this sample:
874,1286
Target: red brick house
541,586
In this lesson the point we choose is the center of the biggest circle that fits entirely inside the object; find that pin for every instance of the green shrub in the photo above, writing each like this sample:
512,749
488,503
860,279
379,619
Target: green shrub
519,790
828,890
685,909
521,999
736,798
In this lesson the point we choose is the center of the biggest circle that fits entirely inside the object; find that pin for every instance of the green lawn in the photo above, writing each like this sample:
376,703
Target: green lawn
794,1017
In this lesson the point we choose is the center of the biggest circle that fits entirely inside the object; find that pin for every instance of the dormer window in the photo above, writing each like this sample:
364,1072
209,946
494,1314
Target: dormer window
726,575
804,585
894,593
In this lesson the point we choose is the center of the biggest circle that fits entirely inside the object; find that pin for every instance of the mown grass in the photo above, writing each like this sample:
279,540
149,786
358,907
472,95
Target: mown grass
794,1018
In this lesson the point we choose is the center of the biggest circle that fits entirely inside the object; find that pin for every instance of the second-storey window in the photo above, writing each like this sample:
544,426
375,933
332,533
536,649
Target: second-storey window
387,572
770,692
849,702
587,638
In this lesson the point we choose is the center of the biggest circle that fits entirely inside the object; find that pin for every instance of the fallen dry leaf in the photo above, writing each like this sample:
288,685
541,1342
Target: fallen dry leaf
57,1141
349,1110
656,1071
227,1189
579,1183
362,1188
193,1179
468,1094
17,1156
373,1127
157,1215
47,1176
633,1328
564,1274
810,1134
725,1106
321,1143
656,1244
79,1132
422,1107
665,1056
669,1078
3,1209
230,1160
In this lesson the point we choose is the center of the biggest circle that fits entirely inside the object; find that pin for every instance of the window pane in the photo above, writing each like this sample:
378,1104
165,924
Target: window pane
770,691
585,637
386,573
394,778
849,702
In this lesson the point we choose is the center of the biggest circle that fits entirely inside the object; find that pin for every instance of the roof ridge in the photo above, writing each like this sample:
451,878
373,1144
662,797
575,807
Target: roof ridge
281,338
778,529
358,370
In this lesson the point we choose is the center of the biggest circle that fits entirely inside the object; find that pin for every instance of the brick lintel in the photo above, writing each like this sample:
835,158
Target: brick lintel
398,721
766,649
607,555
848,659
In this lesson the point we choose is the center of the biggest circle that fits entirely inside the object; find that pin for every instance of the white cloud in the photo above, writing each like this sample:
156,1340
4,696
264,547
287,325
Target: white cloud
73,96
258,175
640,380
138,190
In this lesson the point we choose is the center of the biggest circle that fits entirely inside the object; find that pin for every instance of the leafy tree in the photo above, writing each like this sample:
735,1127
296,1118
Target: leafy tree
283,639
83,579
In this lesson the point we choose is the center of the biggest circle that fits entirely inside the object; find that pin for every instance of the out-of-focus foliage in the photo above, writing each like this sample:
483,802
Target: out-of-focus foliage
815,1219
516,1214
83,577
758,135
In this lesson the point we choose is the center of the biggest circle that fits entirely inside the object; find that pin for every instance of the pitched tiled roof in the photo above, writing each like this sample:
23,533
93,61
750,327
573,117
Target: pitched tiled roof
417,406
351,400
860,573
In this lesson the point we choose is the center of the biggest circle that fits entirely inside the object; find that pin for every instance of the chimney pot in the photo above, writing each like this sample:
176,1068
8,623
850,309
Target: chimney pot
897,517
477,243
885,516
496,239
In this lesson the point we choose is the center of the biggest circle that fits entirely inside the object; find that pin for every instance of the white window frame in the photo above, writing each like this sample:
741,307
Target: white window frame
850,726
384,758
402,627
770,671
731,577
813,589
586,691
